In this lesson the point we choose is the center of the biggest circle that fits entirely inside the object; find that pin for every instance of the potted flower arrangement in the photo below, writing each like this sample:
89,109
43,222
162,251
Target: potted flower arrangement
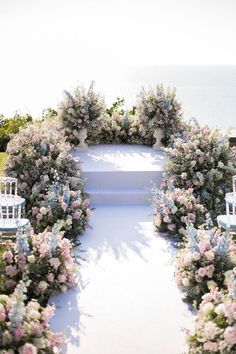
78,111
159,109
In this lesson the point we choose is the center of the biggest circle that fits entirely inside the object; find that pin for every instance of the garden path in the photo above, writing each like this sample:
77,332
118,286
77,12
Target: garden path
126,301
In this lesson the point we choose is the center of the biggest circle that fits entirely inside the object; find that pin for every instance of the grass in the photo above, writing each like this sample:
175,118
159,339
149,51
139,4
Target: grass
3,160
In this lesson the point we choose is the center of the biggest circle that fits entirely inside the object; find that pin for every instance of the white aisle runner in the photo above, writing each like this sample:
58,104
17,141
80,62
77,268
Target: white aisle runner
127,301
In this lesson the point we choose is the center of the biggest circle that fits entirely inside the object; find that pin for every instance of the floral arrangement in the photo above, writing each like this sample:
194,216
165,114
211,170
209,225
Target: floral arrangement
80,109
45,259
203,160
36,146
215,324
24,327
201,264
60,203
120,129
159,109
175,209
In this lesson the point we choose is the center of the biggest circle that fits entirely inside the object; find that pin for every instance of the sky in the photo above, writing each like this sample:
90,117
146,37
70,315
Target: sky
51,45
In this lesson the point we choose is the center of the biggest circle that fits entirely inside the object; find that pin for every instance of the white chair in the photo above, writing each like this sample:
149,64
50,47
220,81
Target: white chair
11,215
8,192
228,221
234,184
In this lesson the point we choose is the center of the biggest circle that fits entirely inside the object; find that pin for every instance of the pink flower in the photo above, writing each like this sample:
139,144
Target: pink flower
8,256
171,227
230,335
57,340
191,217
62,278
230,310
210,346
54,262
19,333
44,249
39,217
11,270
201,272
210,329
75,204
28,348
210,255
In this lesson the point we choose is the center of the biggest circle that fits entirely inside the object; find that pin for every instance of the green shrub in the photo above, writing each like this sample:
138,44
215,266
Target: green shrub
11,126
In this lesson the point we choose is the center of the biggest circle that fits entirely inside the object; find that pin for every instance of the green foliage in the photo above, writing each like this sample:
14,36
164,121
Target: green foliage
118,108
11,126
3,160
49,113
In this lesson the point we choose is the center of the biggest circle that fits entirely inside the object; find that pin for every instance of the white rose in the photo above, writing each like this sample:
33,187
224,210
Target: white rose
31,258
185,282
69,222
43,285
43,210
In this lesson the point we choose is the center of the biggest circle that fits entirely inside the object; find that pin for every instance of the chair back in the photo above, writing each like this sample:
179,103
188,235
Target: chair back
8,186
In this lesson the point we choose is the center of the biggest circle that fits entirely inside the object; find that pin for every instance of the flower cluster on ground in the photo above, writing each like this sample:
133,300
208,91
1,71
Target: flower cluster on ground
58,209
24,326
55,183
203,261
175,208
202,159
215,324
45,259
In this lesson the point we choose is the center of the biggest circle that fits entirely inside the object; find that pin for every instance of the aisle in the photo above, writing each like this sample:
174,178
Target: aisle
128,302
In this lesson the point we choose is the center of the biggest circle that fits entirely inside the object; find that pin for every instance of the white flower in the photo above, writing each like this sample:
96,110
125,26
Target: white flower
43,210
185,282
43,285
31,258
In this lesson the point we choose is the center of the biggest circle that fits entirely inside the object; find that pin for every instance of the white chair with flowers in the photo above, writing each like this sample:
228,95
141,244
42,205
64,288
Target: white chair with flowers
11,206
228,221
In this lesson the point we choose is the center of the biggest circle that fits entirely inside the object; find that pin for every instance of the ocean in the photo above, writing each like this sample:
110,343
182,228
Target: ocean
207,93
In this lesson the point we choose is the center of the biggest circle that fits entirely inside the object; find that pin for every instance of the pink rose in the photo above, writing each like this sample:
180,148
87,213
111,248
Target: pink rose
230,335
11,270
8,256
54,262
210,346
28,348
19,333
61,278
57,340
39,217
171,227
44,249
201,272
